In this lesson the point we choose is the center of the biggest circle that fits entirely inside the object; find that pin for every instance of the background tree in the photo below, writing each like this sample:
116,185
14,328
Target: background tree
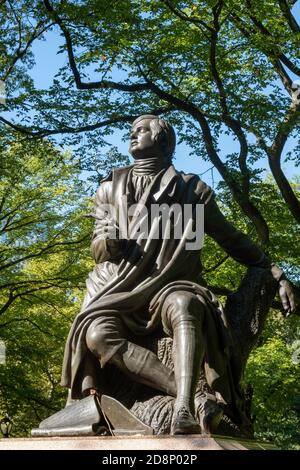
213,68
272,373
44,247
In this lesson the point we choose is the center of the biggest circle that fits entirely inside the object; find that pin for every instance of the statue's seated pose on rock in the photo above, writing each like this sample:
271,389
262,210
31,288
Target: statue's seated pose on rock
147,279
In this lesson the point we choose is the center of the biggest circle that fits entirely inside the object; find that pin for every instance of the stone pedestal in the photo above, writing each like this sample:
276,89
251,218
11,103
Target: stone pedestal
141,443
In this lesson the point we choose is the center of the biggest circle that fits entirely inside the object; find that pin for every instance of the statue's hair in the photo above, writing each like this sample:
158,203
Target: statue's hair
162,132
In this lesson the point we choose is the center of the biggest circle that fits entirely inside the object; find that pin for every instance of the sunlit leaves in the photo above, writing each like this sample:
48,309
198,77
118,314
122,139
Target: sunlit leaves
44,258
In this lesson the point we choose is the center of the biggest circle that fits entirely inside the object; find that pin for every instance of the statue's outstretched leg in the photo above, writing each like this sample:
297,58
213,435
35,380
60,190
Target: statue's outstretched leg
143,366
106,338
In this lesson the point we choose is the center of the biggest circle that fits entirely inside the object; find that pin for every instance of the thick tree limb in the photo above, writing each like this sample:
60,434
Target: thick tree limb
8,303
289,16
274,155
288,123
102,84
283,75
248,208
231,122
286,61
263,30
247,32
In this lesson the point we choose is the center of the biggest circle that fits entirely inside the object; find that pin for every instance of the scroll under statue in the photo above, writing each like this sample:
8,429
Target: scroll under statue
140,284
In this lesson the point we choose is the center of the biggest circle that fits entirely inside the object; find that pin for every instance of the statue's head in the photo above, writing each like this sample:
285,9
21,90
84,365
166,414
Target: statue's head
152,137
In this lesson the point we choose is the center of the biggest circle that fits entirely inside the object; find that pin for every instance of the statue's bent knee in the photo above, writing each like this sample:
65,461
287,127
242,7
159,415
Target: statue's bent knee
95,338
104,337
183,306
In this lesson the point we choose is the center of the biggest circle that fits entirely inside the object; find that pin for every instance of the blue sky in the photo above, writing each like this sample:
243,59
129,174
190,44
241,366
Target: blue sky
47,64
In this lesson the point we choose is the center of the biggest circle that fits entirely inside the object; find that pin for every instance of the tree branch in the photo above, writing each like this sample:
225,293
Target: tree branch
18,207
285,9
264,31
248,208
20,53
216,266
11,225
191,19
7,304
102,84
24,396
49,281
283,75
2,203
13,297
231,122
40,133
27,320
50,305
43,251
247,32
274,155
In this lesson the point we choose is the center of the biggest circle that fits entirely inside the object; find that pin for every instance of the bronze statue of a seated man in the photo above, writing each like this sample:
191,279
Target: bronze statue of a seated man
146,278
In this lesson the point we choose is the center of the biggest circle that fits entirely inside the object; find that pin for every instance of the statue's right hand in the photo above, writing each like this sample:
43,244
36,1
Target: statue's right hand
106,230
287,296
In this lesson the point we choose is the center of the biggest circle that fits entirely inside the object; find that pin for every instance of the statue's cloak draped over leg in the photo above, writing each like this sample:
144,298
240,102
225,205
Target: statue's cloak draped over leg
135,285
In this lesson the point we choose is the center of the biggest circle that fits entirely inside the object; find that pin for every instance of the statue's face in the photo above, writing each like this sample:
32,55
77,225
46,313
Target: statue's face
142,144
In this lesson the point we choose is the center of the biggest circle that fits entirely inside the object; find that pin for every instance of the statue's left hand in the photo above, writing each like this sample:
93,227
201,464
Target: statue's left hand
286,294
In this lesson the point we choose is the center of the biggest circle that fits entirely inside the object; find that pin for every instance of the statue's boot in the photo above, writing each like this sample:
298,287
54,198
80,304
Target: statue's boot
183,421
143,366
188,354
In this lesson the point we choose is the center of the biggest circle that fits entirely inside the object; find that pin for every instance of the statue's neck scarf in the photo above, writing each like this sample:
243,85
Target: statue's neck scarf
143,173
149,166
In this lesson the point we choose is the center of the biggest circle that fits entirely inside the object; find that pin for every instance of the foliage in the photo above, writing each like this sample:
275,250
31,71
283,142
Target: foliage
275,378
284,245
43,262
273,367
213,68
